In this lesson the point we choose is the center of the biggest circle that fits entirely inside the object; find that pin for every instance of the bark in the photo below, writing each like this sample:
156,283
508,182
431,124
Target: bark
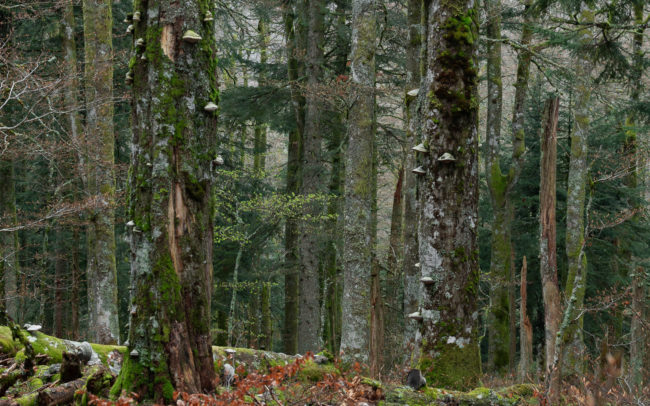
266,336
448,228
309,309
333,271
9,244
359,161
75,276
547,243
171,203
394,320
572,347
98,77
411,272
291,281
525,331
376,340
60,270
500,183
58,395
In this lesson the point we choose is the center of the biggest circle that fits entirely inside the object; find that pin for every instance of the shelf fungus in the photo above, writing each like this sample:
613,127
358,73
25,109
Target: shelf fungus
208,16
415,316
129,77
419,170
136,16
427,280
129,29
219,160
139,42
131,223
420,148
134,354
128,18
417,265
210,107
413,92
191,37
447,157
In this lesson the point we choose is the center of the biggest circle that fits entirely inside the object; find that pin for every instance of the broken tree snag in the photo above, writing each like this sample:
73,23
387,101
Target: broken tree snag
526,329
62,394
70,367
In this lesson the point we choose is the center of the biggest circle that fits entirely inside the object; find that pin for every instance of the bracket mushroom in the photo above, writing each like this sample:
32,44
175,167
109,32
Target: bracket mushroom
419,170
447,157
191,37
415,316
210,107
420,148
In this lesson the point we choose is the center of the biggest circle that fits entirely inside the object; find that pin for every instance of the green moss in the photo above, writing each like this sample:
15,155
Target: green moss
168,391
28,400
103,350
452,367
7,345
312,372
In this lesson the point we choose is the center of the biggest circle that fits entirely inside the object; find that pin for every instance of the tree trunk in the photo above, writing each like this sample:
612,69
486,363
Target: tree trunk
572,347
309,310
526,330
336,148
376,340
638,336
294,159
102,274
9,245
60,283
75,276
171,202
266,336
448,228
394,319
411,272
547,249
359,162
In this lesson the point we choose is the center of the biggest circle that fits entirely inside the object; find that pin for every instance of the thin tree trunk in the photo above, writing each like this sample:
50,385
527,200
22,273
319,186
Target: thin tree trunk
9,244
309,309
294,159
525,330
266,336
359,161
547,244
448,228
233,298
376,340
394,321
171,202
638,336
102,274
60,270
572,347
410,259
75,276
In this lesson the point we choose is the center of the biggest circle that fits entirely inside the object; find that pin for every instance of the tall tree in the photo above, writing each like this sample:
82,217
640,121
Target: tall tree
171,207
9,265
309,319
359,162
98,78
411,271
295,47
448,226
500,183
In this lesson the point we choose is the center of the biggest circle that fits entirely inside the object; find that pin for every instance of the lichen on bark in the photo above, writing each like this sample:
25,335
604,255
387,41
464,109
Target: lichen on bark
447,236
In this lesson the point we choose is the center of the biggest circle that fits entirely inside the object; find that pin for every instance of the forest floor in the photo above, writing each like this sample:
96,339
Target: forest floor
68,372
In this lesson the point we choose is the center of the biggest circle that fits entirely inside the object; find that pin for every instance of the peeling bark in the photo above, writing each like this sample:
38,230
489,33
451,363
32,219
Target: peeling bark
171,204
547,243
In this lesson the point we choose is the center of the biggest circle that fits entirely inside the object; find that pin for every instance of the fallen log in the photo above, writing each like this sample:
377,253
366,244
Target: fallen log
61,394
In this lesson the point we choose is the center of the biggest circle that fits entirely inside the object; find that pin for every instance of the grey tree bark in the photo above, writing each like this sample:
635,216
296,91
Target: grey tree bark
448,227
98,77
359,158
173,167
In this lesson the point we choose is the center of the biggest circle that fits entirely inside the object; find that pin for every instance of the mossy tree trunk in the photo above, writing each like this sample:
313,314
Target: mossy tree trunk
448,228
410,259
171,201
333,272
571,347
293,34
9,245
500,184
359,161
547,243
100,143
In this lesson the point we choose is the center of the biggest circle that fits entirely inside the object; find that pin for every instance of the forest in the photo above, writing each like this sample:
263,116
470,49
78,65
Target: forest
324,202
